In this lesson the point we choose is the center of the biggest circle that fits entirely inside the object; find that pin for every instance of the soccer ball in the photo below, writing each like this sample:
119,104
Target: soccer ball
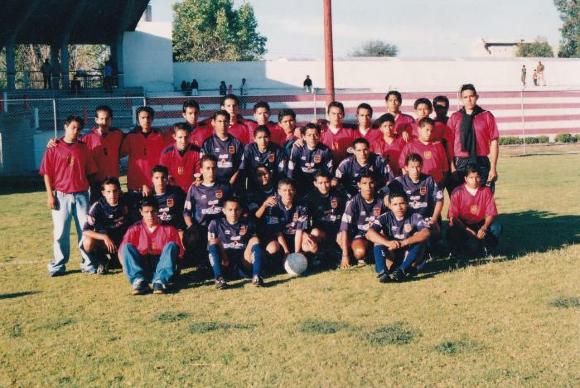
296,264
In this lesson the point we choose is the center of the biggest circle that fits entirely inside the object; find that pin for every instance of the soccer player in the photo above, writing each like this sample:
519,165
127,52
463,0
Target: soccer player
227,149
335,136
284,224
326,205
472,214
388,145
403,121
262,152
435,162
308,159
423,108
441,106
237,125
197,133
143,145
399,238
475,136
67,168
106,224
169,199
262,115
363,162
360,212
364,129
150,251
203,203
181,158
263,195
233,244
287,122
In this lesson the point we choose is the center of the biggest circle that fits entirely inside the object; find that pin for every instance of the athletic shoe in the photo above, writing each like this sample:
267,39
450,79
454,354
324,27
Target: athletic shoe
257,281
411,272
361,263
103,269
383,277
220,283
398,275
159,288
140,287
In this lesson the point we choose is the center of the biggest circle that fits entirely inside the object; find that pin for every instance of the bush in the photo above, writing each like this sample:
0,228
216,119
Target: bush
566,138
510,140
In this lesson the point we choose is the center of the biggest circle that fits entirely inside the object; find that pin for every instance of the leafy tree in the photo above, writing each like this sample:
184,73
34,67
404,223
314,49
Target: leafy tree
212,30
570,40
539,48
376,48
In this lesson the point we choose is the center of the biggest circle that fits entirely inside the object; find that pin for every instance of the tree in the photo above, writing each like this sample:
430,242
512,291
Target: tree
570,40
538,48
376,48
212,30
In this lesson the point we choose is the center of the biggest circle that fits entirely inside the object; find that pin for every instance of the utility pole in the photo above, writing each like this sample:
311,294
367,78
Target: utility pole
328,53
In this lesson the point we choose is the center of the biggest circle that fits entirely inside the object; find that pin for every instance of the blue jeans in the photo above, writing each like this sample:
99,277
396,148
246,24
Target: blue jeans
403,257
153,269
68,206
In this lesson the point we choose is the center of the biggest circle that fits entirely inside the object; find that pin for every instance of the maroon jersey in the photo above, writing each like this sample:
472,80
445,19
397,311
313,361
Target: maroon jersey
434,158
404,123
105,151
68,166
371,135
485,129
241,132
390,152
199,134
181,164
277,134
338,143
151,243
144,151
472,209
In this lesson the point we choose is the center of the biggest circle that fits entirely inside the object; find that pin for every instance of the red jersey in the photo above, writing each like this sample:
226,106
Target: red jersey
241,132
435,161
181,165
485,131
404,122
105,151
390,152
277,134
144,151
151,243
338,143
68,166
371,135
199,134
472,209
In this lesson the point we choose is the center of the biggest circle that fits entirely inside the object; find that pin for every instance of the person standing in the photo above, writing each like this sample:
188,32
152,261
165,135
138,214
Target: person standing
307,84
223,88
243,92
194,87
540,69
523,78
46,71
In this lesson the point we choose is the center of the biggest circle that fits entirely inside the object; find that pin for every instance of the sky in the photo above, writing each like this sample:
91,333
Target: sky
420,28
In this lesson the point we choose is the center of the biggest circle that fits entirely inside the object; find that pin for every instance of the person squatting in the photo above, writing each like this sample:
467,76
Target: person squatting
235,197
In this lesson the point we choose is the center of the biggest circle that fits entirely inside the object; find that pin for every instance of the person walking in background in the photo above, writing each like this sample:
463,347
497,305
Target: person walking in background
540,69
194,87
523,78
46,71
243,93
535,77
223,88
307,84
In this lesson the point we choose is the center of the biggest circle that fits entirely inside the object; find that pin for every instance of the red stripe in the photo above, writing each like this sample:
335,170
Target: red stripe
538,131
514,119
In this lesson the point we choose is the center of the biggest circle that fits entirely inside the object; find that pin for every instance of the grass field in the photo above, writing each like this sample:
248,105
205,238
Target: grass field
512,320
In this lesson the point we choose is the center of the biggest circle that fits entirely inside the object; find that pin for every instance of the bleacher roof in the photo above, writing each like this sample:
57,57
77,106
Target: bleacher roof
86,21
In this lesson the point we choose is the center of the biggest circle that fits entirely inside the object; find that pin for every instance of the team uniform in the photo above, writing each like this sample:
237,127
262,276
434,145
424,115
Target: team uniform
326,211
422,195
338,142
253,199
349,170
371,135
204,203
304,163
240,131
144,151
390,152
199,134
277,135
435,162
277,219
274,159
68,166
404,123
359,215
229,154
170,206
181,164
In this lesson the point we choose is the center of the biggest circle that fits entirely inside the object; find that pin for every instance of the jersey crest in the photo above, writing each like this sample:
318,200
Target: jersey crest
474,209
219,194
271,157
232,149
423,190
243,230
427,154
317,159
333,203
170,202
180,170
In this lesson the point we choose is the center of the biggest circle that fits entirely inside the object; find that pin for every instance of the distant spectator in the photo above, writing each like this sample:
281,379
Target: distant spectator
230,89
183,86
55,75
308,84
108,77
194,87
540,69
243,92
524,71
46,71
535,77
223,88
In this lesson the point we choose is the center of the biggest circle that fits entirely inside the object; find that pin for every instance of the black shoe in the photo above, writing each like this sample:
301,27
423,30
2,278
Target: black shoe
411,272
257,281
383,277
220,283
140,287
159,288
398,275
103,269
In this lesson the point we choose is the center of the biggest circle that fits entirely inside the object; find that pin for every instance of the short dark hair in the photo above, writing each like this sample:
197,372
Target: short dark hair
191,103
387,117
161,169
471,168
76,118
207,157
104,108
309,126
221,112
180,127
439,99
366,106
335,104
423,100
426,120
360,140
286,112
148,201
147,109
398,194
229,97
365,174
111,180
261,104
322,173
232,199
465,87
413,158
396,94
262,128
285,181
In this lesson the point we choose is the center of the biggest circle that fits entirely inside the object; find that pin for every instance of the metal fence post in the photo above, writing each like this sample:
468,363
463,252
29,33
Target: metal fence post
314,103
54,117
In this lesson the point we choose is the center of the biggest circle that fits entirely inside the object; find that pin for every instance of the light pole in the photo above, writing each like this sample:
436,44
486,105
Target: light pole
328,54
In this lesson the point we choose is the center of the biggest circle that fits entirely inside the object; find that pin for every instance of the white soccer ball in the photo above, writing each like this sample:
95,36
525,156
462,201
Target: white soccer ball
296,264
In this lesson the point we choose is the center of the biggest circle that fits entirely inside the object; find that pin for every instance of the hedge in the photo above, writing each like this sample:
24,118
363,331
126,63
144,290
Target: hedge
507,140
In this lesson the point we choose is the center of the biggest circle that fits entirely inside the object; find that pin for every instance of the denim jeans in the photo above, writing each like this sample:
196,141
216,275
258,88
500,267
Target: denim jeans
402,257
68,206
153,269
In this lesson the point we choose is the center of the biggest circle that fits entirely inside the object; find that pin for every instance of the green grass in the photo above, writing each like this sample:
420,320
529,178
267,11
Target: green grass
511,320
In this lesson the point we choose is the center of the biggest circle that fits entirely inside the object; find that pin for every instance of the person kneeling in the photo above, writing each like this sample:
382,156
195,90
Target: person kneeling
149,251
400,237
233,245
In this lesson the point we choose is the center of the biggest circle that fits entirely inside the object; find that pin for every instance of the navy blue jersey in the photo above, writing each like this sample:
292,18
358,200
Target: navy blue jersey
170,206
234,237
205,203
253,199
304,163
278,219
228,153
326,211
422,195
394,229
106,219
274,159
349,170
359,215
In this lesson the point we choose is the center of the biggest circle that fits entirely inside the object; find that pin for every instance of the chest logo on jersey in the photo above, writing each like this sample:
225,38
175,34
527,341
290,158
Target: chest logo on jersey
180,170
333,203
232,149
317,159
334,145
70,160
427,154
271,158
377,211
474,209
219,194
407,228
243,230
170,202
423,190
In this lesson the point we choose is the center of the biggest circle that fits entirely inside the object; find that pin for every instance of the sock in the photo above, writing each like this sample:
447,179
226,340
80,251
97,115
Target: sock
379,253
257,253
215,260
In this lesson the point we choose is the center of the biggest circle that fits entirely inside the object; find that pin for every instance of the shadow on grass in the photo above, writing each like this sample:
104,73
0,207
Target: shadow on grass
17,294
21,184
